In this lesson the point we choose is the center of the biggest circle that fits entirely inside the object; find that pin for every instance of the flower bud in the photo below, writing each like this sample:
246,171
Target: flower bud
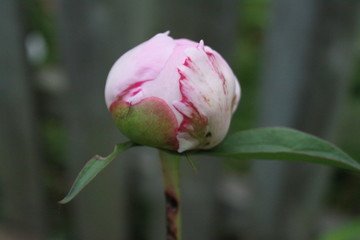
172,94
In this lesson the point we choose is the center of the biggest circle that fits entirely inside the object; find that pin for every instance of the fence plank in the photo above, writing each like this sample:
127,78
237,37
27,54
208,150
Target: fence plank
91,38
22,198
307,65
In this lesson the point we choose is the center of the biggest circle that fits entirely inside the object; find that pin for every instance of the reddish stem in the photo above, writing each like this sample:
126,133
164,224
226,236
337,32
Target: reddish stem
170,169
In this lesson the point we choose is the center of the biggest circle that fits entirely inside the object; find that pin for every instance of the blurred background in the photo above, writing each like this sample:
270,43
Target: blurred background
298,63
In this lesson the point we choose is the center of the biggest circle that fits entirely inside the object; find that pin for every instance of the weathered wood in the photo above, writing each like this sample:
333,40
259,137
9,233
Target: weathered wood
21,189
308,59
213,21
91,37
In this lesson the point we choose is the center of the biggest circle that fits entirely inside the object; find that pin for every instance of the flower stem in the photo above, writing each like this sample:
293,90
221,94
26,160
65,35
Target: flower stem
170,170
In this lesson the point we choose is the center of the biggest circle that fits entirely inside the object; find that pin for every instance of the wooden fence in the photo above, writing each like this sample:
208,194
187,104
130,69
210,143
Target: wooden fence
308,45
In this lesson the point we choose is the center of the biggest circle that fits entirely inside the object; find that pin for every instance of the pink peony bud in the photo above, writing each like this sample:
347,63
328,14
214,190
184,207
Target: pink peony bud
172,94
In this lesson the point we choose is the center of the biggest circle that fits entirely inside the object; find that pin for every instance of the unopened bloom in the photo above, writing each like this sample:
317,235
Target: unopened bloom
172,94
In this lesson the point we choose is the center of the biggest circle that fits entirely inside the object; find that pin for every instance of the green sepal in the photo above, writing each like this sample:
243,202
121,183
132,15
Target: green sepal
191,162
150,122
92,168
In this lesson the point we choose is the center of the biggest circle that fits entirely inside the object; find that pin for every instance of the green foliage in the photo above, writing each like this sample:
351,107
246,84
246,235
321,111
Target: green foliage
92,168
248,53
39,17
279,143
265,143
355,87
350,231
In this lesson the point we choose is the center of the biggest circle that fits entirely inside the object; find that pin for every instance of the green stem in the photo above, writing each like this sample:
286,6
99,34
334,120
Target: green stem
170,170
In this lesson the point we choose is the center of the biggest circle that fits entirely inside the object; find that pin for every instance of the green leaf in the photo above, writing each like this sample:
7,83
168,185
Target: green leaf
349,231
92,168
281,143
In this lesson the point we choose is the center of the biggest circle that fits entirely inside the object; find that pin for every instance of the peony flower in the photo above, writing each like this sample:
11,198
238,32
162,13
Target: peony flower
172,94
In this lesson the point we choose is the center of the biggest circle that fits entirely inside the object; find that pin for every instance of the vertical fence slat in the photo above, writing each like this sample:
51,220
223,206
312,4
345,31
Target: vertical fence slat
21,190
307,64
90,43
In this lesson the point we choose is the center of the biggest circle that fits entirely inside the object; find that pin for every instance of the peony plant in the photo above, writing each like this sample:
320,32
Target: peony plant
178,96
